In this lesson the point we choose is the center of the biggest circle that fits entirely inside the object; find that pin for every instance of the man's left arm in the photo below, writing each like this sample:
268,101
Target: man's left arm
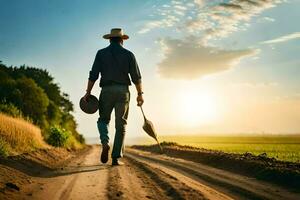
136,78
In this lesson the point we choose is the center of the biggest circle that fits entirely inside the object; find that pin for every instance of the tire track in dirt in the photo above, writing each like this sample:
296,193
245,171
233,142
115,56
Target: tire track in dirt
84,178
132,183
231,184
205,191
114,188
128,182
145,176
165,184
65,194
136,180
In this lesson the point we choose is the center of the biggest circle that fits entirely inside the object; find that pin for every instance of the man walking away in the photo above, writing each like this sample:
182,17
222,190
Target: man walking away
115,64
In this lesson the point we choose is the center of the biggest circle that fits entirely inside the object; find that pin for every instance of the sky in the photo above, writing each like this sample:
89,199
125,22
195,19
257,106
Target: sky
208,66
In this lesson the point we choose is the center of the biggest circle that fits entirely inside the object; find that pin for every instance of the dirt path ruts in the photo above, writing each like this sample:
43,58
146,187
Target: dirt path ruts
165,184
144,176
197,175
86,178
137,180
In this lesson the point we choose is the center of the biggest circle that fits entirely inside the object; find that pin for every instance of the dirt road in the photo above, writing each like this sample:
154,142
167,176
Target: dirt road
146,176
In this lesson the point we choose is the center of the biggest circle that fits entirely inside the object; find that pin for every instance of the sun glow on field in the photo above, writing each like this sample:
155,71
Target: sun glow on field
197,108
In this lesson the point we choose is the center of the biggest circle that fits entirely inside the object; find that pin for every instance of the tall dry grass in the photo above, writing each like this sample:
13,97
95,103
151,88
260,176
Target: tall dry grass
18,136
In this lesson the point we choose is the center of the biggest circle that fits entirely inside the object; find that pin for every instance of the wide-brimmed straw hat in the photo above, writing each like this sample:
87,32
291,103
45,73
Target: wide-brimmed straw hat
116,32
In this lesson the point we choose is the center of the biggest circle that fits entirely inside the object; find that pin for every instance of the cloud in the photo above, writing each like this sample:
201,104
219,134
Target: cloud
169,21
209,19
269,19
150,25
184,59
169,14
220,20
284,38
231,6
255,85
203,21
199,3
180,7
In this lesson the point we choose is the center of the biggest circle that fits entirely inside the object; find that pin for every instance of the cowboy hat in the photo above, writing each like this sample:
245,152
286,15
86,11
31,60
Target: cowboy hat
90,105
116,32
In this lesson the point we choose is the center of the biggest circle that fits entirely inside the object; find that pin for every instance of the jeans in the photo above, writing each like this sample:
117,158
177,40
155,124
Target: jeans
115,97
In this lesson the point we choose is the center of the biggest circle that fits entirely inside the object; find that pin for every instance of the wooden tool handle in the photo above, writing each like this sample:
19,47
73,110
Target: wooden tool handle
143,113
161,149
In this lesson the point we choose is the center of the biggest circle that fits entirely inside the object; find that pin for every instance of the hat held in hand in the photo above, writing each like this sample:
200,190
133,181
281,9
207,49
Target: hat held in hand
89,106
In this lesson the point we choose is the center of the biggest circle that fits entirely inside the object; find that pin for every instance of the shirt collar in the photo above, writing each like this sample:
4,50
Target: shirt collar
115,44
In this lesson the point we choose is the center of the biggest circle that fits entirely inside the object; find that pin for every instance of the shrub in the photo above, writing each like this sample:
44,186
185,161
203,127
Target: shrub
10,109
81,139
58,137
72,143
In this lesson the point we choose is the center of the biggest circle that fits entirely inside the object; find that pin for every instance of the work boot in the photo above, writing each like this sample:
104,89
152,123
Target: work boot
116,162
104,154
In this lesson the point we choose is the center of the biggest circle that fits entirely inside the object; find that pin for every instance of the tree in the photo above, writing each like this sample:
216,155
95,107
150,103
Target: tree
34,100
34,92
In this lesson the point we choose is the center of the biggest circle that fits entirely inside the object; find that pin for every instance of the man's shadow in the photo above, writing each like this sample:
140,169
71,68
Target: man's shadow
35,169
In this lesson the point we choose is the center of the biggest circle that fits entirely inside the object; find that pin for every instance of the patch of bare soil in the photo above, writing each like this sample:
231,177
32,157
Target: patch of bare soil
18,172
136,180
163,185
283,173
79,175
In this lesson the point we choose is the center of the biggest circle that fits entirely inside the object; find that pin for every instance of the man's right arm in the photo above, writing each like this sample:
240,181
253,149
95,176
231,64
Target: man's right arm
90,86
93,76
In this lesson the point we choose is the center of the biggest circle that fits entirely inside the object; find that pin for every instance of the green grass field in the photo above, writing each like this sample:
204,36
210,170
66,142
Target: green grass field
285,147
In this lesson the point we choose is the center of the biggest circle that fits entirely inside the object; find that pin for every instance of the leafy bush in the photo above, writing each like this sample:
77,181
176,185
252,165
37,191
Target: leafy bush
10,109
81,139
72,143
58,137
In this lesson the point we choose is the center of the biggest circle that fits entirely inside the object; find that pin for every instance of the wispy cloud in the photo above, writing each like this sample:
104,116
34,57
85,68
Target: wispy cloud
168,15
210,19
184,59
284,38
203,21
269,19
168,21
255,85
222,19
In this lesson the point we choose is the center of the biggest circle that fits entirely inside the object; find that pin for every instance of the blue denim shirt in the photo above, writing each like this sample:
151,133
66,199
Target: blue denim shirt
115,64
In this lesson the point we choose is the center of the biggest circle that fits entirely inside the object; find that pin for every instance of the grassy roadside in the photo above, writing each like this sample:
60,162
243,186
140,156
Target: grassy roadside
19,136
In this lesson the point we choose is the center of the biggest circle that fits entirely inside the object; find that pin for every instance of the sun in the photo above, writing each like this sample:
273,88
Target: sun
196,108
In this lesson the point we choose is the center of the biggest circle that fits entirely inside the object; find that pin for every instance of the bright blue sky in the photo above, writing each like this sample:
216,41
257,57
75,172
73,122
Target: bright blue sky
181,46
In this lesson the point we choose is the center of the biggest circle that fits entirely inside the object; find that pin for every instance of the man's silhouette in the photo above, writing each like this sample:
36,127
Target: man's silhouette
115,64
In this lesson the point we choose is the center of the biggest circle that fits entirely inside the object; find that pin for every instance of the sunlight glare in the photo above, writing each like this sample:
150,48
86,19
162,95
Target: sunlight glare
197,108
